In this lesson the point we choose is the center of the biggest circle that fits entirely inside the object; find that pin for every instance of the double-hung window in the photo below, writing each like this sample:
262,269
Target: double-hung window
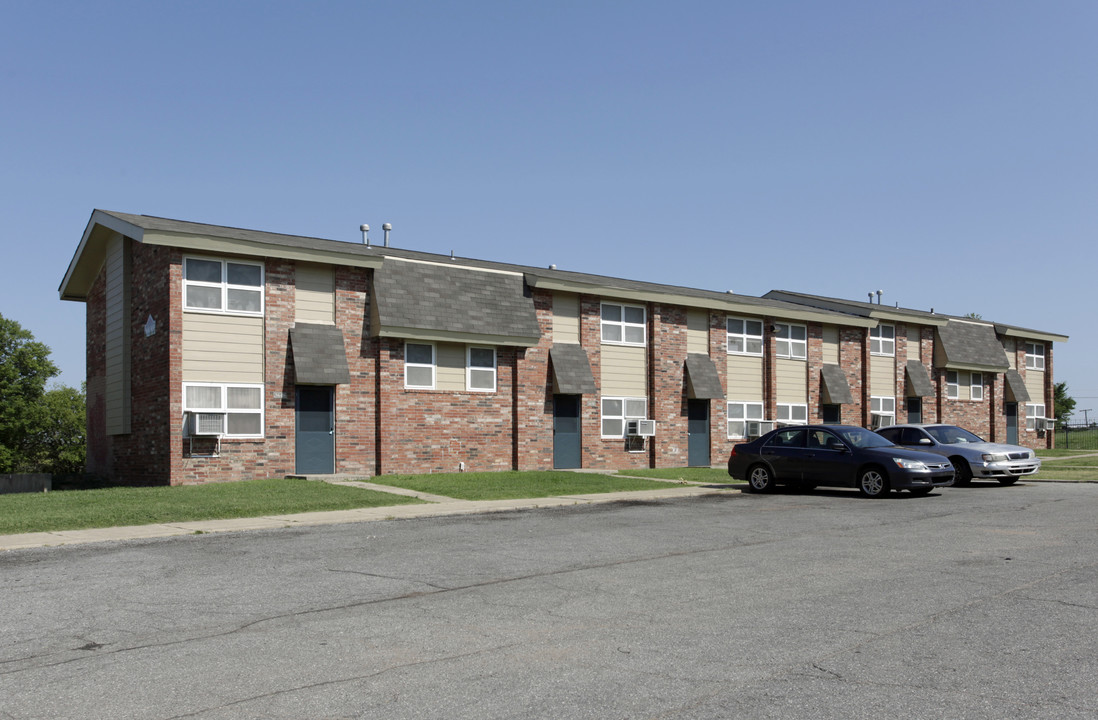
953,385
615,412
234,411
976,386
745,420
419,366
792,341
883,411
882,340
222,286
480,369
623,324
1035,416
792,413
1035,356
745,337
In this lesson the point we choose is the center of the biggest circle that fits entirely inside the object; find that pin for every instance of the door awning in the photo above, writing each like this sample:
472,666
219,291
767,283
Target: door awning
702,380
1015,389
834,386
571,370
319,355
918,380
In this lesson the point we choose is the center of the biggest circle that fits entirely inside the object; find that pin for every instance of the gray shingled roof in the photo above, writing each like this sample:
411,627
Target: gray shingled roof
572,370
429,296
1016,390
319,355
918,380
703,381
967,344
835,385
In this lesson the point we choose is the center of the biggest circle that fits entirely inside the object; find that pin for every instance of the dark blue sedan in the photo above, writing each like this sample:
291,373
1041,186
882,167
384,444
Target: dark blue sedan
836,456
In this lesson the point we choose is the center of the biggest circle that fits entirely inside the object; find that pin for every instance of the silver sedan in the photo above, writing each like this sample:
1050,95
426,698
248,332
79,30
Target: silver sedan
971,455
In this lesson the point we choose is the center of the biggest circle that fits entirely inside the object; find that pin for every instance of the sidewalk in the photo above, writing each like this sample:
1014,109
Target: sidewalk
436,506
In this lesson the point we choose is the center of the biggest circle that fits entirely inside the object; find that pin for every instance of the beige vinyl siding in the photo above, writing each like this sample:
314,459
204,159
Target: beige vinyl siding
450,367
791,381
914,335
566,318
117,337
745,378
830,345
314,294
624,372
222,348
882,376
697,332
1035,384
1011,348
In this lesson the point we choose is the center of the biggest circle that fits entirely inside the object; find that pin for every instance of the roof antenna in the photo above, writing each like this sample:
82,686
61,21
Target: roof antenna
365,238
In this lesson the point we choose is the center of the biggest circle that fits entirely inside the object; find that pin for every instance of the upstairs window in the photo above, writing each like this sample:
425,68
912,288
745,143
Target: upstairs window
745,337
222,286
623,324
1035,356
976,386
480,369
419,366
953,385
792,341
882,340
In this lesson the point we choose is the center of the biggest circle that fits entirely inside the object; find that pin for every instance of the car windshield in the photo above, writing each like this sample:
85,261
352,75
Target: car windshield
952,435
860,437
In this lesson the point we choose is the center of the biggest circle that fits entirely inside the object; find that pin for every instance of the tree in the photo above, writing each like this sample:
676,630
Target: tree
39,429
1062,404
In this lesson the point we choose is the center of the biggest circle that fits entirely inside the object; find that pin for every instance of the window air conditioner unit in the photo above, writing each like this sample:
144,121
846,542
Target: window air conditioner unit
1041,424
640,428
207,424
758,428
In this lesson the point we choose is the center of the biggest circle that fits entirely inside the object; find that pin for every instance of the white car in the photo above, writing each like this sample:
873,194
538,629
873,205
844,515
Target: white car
971,455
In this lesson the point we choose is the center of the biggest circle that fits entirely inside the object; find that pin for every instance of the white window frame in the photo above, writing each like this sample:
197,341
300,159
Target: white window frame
882,340
792,414
470,369
623,326
433,365
739,414
1034,412
224,286
625,415
223,409
788,346
1035,356
743,337
953,387
883,407
976,386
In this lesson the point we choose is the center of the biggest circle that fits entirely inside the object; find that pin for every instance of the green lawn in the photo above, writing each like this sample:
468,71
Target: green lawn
111,507
687,474
514,485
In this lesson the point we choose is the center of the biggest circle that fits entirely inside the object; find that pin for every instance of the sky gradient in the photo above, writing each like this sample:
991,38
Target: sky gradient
945,153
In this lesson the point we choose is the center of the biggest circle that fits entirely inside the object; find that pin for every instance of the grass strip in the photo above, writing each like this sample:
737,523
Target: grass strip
118,506
516,485
684,474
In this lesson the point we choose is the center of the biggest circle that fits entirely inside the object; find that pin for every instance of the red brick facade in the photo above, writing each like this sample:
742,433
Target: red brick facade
382,427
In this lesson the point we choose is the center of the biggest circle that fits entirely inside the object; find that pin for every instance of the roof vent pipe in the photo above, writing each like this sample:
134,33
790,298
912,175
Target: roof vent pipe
387,227
365,229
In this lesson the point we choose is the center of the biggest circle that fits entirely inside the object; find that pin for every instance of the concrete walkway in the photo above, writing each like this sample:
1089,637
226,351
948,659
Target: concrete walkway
436,506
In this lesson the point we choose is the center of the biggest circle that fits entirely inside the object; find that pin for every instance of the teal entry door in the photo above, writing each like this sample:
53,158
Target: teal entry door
315,435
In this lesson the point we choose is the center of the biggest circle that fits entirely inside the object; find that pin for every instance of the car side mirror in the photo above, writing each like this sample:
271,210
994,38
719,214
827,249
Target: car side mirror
836,445
925,441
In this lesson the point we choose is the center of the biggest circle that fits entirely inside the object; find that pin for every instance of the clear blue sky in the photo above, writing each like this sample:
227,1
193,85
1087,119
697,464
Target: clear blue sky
943,152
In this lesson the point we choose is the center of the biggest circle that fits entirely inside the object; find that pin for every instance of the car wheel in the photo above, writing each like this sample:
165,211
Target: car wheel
873,483
962,473
1008,481
759,479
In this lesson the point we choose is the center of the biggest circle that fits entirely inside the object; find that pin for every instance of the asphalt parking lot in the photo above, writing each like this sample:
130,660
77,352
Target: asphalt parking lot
969,603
